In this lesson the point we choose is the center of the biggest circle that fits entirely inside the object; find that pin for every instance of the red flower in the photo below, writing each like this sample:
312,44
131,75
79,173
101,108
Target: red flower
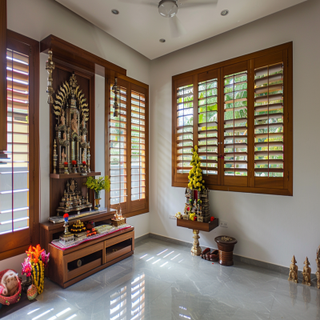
66,215
188,209
211,218
195,219
84,163
74,162
66,164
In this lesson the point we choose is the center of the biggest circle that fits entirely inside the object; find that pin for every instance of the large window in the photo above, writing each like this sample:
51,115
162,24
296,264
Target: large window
239,114
19,165
127,148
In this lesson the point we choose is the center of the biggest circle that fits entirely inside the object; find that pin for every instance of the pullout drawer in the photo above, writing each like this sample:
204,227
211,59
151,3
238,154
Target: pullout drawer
81,261
118,239
118,250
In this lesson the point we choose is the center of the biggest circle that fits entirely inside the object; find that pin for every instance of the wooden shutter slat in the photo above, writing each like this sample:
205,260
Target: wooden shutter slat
17,86
266,161
18,76
268,170
268,77
236,169
208,161
17,56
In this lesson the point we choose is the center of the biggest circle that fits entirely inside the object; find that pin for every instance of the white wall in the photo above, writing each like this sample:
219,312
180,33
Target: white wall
39,18
268,228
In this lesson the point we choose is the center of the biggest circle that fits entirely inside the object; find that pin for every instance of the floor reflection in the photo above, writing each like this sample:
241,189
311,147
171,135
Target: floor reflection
164,282
129,302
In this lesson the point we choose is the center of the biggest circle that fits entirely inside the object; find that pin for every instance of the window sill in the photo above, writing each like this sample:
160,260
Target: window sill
14,252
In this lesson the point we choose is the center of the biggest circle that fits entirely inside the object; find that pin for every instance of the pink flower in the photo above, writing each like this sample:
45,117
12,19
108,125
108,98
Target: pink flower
45,258
26,267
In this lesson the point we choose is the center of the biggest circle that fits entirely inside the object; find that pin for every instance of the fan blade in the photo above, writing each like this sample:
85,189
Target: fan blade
176,27
183,4
148,3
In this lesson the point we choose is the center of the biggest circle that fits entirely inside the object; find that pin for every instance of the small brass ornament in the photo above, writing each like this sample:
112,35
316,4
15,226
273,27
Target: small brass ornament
306,273
293,271
50,66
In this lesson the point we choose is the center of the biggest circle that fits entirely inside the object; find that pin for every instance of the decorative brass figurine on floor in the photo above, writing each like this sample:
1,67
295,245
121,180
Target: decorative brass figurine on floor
318,268
306,273
293,271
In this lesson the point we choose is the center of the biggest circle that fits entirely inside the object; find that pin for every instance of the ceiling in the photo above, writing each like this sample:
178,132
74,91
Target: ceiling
140,26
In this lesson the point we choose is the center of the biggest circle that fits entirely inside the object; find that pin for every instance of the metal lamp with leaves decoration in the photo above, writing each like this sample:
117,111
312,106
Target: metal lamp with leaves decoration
102,183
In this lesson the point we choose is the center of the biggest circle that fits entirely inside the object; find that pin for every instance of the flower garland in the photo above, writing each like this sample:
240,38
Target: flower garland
195,174
34,265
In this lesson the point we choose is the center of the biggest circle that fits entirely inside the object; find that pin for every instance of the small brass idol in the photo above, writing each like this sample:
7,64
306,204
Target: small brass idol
306,273
293,271
318,268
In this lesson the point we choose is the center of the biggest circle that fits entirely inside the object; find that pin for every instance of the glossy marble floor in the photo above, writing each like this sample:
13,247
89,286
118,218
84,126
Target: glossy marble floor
163,281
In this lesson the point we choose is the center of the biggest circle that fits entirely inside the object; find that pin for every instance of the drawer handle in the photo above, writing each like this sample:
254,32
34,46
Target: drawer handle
79,263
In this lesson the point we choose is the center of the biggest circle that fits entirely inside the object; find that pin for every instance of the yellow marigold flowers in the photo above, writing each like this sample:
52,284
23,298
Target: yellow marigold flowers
195,174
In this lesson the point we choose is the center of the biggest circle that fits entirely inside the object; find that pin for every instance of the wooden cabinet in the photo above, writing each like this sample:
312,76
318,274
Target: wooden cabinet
69,266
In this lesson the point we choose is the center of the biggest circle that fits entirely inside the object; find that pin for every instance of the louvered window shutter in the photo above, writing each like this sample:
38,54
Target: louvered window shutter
128,148
19,164
273,122
235,128
14,163
184,118
118,150
208,125
241,122
138,150
268,121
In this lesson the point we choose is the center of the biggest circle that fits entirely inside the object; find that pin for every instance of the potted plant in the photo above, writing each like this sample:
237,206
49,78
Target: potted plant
102,183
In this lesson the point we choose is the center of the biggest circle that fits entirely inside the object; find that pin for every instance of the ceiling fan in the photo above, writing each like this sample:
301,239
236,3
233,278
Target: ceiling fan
169,9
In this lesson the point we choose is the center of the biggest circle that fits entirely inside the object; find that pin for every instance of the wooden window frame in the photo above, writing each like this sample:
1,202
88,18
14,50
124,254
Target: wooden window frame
253,184
14,240
130,208
3,75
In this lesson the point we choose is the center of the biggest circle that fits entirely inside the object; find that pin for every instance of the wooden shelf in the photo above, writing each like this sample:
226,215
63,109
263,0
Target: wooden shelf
195,225
73,175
